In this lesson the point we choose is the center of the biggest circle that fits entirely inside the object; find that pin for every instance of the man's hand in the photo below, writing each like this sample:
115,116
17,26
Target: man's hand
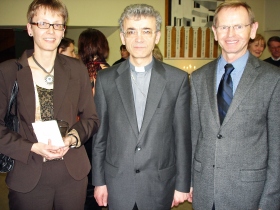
179,197
101,195
190,195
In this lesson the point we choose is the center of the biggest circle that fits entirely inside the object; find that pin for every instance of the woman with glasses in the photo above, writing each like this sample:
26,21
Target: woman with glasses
51,87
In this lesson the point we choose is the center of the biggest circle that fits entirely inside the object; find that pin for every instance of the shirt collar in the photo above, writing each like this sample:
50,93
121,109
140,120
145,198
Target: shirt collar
142,68
238,64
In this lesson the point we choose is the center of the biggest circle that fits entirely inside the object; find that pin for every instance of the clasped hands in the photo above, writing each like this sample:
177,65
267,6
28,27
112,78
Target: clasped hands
50,151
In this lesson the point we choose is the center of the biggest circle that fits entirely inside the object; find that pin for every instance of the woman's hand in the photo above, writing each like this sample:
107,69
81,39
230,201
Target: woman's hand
47,151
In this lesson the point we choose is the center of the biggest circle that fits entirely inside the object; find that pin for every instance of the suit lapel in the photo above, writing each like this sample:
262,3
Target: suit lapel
27,94
211,88
249,75
61,82
156,89
123,83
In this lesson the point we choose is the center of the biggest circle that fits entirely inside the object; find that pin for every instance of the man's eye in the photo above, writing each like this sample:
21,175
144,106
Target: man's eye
146,31
238,26
224,27
130,32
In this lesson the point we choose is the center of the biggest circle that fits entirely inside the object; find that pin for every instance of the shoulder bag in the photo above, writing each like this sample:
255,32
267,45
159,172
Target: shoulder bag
11,122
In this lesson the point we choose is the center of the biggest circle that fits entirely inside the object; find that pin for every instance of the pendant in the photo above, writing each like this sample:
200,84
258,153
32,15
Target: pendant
49,79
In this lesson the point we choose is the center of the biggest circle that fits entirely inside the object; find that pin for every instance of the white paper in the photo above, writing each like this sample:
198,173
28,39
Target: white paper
46,130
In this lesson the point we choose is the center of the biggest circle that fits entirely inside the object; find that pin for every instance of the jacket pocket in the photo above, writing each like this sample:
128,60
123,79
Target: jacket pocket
197,165
167,173
253,175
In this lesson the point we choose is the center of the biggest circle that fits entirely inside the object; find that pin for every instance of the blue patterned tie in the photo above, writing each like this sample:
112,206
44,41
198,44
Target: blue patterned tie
225,92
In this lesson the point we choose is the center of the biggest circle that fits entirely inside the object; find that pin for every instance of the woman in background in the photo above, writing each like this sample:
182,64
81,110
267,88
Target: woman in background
157,53
93,49
257,46
51,86
67,47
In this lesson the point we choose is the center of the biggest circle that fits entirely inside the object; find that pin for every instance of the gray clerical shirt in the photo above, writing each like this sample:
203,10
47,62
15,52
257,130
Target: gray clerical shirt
140,80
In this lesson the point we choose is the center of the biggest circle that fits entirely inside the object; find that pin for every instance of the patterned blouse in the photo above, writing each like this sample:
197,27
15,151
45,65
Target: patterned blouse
46,103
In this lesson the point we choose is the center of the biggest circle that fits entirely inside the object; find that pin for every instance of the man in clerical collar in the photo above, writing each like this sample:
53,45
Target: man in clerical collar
142,153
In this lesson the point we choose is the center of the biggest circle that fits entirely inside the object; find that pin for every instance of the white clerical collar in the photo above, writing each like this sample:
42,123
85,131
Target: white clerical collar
142,68
139,69
275,59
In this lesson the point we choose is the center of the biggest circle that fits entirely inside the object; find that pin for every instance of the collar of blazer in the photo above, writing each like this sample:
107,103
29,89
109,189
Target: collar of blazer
61,81
250,73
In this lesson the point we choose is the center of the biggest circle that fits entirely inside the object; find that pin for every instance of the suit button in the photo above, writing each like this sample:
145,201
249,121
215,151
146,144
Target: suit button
138,148
137,171
219,136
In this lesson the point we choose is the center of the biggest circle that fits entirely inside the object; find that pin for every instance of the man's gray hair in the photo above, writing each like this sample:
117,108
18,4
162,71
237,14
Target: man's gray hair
138,10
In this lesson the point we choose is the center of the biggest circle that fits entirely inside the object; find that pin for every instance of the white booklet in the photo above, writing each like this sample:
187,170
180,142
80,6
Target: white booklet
46,130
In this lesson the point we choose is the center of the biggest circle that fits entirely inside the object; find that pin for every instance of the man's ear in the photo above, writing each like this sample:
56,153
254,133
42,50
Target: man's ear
122,38
158,35
215,33
254,28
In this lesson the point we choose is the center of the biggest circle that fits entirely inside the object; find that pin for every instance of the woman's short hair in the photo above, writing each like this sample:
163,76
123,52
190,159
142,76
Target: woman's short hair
138,10
52,5
258,37
65,42
92,42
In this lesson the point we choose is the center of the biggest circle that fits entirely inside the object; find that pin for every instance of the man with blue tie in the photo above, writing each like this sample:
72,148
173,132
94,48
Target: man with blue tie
235,115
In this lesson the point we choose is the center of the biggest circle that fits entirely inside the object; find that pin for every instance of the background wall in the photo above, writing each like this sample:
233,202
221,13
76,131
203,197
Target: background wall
104,15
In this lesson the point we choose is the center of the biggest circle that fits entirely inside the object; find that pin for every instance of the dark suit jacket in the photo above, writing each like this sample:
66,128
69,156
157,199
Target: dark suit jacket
72,96
147,166
237,164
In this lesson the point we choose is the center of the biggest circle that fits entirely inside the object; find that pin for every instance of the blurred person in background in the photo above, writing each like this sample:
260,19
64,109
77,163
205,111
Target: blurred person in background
124,54
93,49
157,53
273,45
257,46
66,47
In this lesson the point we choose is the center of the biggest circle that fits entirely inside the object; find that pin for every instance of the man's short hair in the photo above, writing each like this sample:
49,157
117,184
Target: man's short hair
122,47
273,39
138,10
233,5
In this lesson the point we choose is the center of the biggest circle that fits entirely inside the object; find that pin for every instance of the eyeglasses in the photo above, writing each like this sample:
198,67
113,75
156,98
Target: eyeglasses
44,25
131,33
237,28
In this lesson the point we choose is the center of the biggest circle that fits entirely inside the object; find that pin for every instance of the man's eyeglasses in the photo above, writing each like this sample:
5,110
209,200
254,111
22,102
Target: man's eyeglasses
237,28
44,25
131,33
